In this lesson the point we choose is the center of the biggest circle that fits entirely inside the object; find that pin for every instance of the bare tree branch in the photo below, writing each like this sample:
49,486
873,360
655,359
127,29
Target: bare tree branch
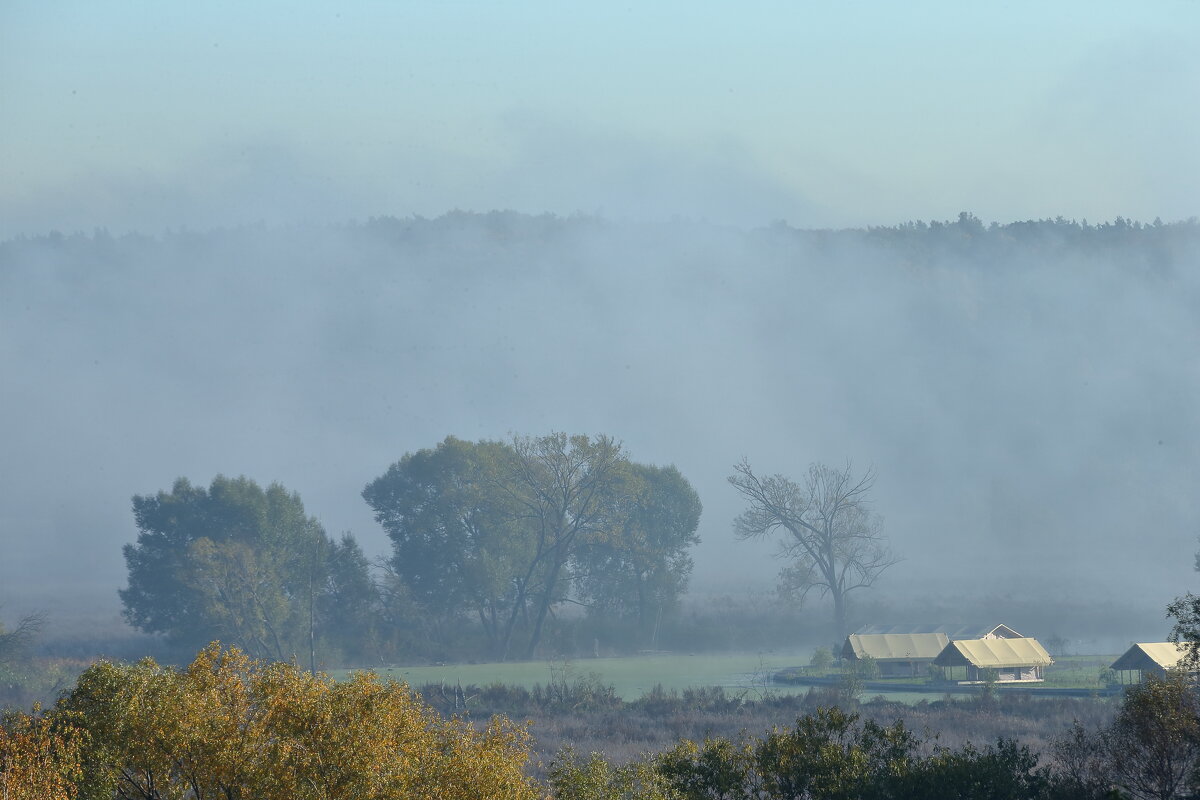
15,643
833,541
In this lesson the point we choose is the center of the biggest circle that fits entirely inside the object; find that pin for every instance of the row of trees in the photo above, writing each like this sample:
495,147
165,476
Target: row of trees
498,535
494,537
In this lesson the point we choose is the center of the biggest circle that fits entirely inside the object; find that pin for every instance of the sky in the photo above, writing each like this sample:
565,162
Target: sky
141,116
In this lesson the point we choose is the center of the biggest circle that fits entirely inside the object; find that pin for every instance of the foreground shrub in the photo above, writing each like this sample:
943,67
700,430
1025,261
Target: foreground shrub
833,755
594,778
828,755
230,727
37,762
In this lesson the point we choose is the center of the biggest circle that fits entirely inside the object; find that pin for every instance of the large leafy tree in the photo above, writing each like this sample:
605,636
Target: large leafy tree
237,562
228,726
504,531
832,541
639,567
457,547
567,489
38,762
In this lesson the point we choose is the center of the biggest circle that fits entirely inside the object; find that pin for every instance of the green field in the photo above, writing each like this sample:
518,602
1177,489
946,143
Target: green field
738,673
631,676
1081,672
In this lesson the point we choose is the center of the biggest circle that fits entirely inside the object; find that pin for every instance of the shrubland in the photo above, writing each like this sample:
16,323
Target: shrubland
229,726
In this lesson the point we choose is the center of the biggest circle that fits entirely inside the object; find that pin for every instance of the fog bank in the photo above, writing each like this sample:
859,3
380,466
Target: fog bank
1025,394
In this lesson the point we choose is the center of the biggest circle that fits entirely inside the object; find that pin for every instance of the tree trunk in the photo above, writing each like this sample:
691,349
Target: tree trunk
513,615
543,607
642,622
839,613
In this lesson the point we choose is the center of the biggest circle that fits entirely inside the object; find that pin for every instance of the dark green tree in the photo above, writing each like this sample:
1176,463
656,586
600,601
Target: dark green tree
502,532
566,489
489,528
347,608
233,562
639,567
457,546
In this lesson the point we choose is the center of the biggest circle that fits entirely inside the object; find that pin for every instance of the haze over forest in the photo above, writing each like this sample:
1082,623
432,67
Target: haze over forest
1025,393
297,243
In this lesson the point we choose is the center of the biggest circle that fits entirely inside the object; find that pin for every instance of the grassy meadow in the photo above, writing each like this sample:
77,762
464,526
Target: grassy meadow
747,674
631,676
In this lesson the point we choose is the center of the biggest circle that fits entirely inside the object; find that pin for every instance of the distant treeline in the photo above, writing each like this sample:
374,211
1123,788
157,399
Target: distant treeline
1149,244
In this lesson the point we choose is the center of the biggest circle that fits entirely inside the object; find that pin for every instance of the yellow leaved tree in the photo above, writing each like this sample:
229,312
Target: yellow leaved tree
37,762
230,727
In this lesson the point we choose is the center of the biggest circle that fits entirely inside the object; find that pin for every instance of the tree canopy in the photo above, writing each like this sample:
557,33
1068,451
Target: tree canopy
641,568
504,532
456,547
245,564
232,727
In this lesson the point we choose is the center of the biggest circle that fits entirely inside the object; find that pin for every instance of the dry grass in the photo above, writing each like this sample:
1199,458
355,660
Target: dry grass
590,720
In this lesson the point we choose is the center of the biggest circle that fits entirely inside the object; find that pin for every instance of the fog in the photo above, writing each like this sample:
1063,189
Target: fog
229,245
1028,404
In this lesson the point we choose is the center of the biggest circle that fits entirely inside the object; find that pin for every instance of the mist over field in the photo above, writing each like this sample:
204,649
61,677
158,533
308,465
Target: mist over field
1025,394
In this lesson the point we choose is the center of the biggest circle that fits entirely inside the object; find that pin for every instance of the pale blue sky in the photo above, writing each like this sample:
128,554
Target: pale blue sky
154,115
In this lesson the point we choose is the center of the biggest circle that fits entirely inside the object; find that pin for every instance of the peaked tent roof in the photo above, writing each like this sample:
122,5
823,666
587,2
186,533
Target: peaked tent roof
1147,655
994,653
895,646
972,631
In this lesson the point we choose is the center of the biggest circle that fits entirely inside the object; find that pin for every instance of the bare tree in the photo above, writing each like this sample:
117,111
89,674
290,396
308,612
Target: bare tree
16,643
833,541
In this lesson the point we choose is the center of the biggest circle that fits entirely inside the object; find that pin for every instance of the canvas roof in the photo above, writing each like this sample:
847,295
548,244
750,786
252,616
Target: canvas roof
994,653
953,631
895,646
1147,655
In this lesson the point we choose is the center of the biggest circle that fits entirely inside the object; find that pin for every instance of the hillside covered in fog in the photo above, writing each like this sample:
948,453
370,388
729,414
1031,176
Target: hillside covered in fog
1025,392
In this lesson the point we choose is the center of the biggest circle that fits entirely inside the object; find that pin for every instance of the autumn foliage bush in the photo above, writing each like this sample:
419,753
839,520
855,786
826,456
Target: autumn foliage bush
230,727
37,762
